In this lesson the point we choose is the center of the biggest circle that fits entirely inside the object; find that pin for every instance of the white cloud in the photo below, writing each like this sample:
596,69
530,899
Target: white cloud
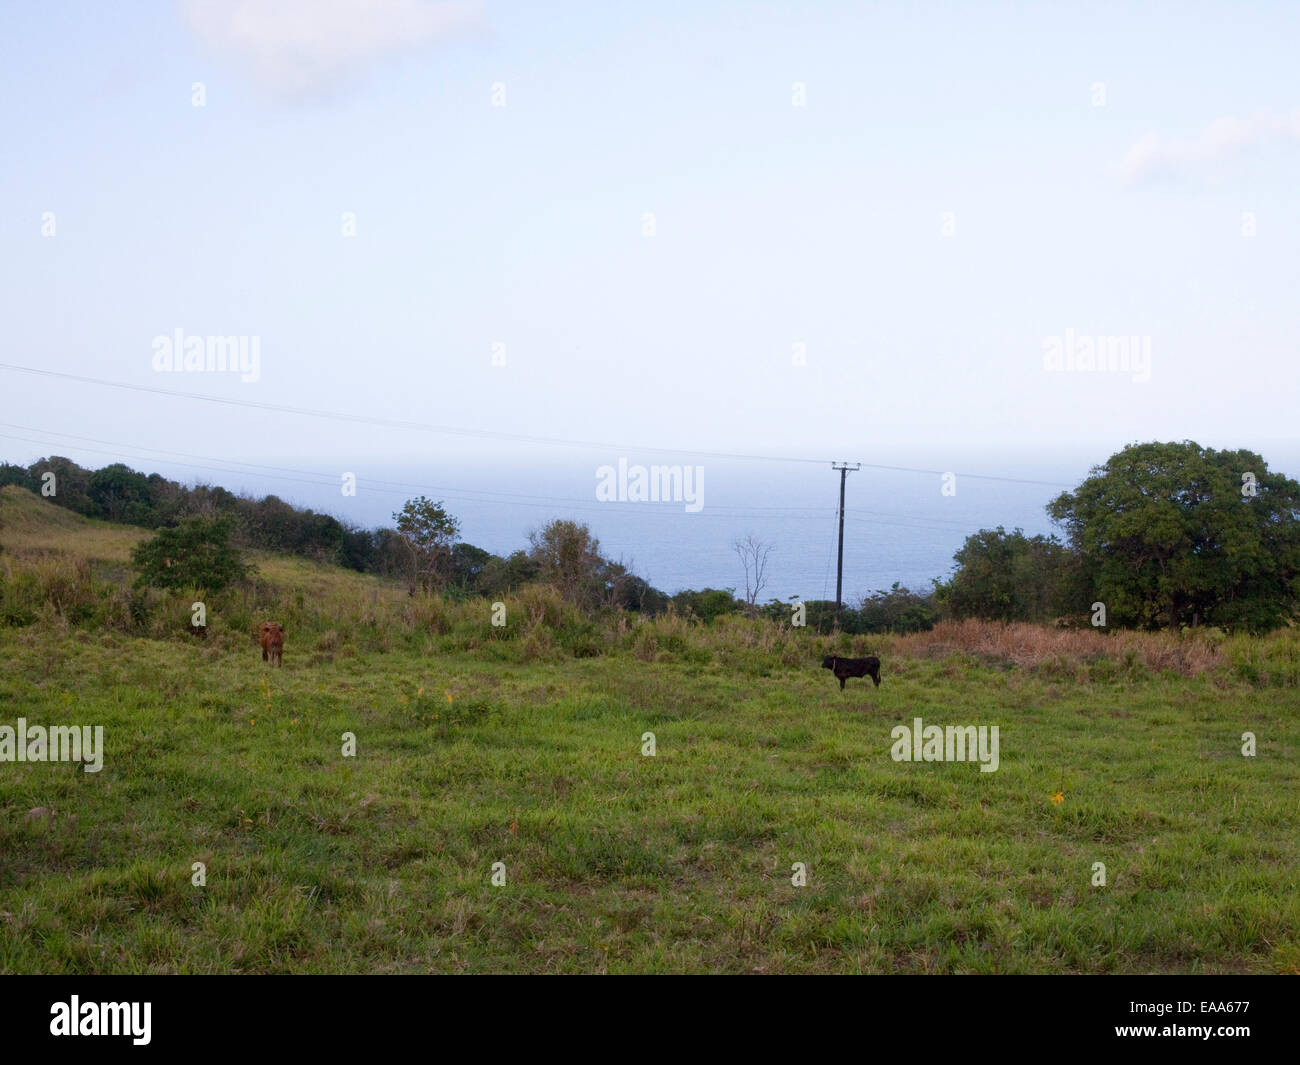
297,48
1220,141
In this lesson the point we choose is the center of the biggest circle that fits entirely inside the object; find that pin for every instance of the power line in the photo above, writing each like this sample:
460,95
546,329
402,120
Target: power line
281,473
329,479
453,494
487,434
396,423
480,496
938,524
830,550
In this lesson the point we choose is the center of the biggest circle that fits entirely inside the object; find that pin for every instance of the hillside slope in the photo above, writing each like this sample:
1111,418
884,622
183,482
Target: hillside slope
33,527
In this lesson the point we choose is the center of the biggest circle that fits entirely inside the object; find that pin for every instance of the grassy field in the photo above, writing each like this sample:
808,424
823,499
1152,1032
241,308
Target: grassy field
523,746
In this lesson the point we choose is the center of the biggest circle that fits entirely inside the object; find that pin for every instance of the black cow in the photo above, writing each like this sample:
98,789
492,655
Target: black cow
853,667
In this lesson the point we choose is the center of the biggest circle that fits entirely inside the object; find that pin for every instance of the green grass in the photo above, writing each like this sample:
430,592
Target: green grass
476,747
619,862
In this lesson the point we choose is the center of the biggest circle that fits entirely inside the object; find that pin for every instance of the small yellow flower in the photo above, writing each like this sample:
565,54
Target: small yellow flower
448,694
1059,797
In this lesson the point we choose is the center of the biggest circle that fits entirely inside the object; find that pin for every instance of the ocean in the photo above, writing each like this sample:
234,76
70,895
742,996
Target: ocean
900,525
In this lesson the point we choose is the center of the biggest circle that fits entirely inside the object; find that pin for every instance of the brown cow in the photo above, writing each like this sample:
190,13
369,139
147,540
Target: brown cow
271,637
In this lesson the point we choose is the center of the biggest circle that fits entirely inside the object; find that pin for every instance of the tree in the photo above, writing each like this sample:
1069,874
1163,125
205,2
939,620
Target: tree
196,553
620,587
467,563
1008,576
636,594
210,501
429,533
71,483
753,556
166,498
1175,534
19,475
120,494
358,549
568,556
392,558
501,576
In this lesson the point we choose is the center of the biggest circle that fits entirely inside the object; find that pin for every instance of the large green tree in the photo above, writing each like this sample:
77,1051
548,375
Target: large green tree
1176,534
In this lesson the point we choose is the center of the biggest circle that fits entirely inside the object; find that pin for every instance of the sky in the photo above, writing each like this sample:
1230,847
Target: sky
795,230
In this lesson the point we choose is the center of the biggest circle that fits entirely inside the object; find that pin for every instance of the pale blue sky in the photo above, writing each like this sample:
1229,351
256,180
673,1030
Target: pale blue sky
775,224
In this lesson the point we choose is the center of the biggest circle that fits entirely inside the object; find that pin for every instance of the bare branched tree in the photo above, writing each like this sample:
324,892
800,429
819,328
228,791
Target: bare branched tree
753,554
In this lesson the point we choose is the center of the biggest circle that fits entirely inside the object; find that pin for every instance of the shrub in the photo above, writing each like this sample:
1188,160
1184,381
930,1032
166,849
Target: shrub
196,553
707,605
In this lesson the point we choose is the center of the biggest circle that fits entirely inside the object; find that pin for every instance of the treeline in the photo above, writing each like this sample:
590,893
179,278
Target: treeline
1159,536
563,553
201,530
121,494
118,493
1165,536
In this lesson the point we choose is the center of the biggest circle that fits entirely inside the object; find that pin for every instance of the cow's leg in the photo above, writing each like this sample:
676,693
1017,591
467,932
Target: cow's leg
842,680
265,656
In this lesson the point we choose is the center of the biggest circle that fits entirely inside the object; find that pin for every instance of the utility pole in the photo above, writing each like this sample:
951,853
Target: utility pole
844,468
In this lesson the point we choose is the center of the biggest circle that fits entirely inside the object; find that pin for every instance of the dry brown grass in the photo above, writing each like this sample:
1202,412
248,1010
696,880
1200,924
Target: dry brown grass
1026,645
34,527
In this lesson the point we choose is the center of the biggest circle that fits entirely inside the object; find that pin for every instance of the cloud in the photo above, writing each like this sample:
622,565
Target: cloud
303,48
1220,141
